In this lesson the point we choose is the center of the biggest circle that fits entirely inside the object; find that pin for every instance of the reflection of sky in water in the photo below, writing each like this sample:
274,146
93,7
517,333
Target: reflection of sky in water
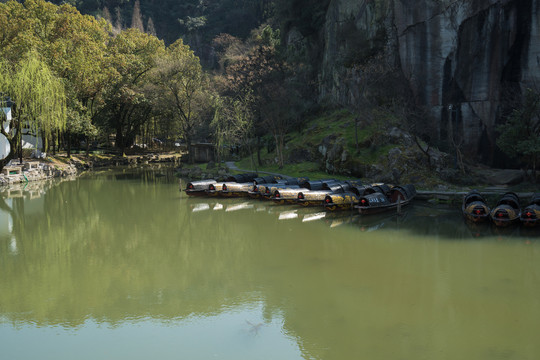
237,333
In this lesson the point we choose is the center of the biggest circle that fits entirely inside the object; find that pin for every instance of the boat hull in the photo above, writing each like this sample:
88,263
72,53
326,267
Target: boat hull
343,201
195,192
393,199
530,216
507,211
474,207
367,210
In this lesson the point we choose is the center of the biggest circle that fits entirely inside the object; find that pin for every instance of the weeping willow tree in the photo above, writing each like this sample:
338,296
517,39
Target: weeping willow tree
39,101
232,123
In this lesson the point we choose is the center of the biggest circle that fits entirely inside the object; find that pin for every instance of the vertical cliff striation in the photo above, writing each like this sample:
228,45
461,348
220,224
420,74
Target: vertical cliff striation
465,61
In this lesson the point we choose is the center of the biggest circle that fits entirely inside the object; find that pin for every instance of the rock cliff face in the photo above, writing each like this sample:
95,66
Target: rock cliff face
464,60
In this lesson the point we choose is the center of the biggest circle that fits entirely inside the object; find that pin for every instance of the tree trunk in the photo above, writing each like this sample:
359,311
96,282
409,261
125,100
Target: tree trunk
60,138
45,143
278,138
259,150
87,146
356,132
426,151
120,140
191,158
53,140
19,136
68,145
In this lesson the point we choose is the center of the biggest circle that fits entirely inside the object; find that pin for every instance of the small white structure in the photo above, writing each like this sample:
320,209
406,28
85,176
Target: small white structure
29,141
4,143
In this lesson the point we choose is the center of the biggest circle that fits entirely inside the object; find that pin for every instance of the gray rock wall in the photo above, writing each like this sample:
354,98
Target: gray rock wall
464,60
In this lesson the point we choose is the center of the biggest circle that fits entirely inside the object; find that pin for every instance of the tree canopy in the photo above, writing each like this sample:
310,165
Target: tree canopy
38,96
520,135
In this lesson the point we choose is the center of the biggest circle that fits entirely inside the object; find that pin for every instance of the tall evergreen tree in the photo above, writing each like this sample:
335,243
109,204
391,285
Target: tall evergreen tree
136,18
106,14
150,28
118,24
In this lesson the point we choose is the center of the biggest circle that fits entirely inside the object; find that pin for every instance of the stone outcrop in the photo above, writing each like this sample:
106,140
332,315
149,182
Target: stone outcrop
30,171
34,171
465,61
403,162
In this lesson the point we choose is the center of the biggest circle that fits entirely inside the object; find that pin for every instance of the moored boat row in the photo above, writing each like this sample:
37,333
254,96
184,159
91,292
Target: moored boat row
331,194
507,211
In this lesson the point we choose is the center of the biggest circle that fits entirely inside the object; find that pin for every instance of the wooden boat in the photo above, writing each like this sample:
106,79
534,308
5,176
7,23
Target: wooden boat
293,183
213,188
507,211
349,199
264,189
267,190
342,201
198,188
386,199
232,189
474,207
317,197
530,216
254,191
252,188
270,191
237,185
290,194
286,195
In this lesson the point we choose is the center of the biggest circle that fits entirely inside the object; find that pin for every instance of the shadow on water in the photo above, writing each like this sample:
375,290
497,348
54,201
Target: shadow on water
420,218
425,219
442,221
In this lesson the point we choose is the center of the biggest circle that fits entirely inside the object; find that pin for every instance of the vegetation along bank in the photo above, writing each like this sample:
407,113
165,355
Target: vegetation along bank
345,88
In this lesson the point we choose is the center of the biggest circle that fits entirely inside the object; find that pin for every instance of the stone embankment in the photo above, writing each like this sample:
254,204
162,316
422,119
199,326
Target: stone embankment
34,170
28,171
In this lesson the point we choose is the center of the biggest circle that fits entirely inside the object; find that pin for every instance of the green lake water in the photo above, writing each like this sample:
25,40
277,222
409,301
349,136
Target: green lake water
121,265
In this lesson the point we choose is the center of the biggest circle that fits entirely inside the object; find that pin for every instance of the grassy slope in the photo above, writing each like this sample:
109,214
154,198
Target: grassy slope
339,124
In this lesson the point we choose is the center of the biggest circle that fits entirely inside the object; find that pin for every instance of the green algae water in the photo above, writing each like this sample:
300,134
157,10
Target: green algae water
122,265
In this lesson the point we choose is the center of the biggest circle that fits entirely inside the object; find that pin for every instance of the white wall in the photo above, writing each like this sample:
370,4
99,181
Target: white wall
4,144
28,141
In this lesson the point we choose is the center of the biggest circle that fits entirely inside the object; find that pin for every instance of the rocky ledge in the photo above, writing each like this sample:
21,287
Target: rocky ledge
15,173
34,170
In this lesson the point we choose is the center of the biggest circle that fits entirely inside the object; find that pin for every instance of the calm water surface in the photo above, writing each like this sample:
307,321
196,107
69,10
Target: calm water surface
121,265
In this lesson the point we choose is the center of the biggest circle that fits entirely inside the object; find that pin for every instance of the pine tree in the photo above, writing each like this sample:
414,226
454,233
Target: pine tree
136,19
118,25
106,14
150,28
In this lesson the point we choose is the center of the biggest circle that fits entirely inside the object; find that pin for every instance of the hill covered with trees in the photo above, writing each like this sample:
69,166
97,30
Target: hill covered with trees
197,22
257,74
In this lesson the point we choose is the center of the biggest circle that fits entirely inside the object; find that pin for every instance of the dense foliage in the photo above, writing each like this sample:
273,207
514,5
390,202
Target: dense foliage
240,74
120,84
520,135
196,21
72,77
